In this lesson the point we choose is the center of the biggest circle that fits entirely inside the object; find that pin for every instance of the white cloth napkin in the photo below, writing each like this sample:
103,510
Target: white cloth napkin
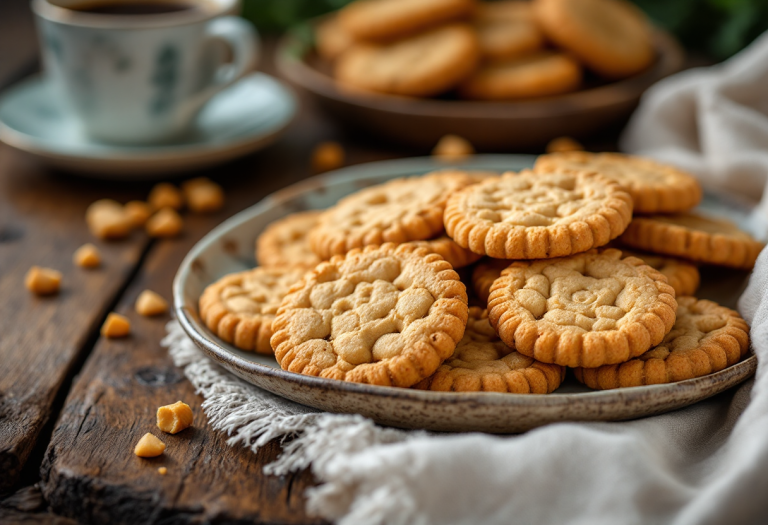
706,464
712,122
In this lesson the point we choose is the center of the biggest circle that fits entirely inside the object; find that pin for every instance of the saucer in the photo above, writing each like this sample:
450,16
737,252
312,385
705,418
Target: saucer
243,118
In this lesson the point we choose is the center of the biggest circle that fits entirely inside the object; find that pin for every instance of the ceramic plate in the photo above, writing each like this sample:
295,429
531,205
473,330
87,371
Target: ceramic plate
490,126
230,248
243,118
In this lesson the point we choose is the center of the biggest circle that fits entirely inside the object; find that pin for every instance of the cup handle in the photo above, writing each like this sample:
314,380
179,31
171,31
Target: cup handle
242,39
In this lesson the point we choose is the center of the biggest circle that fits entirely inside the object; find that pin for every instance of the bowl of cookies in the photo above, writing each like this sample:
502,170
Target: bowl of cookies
498,295
506,75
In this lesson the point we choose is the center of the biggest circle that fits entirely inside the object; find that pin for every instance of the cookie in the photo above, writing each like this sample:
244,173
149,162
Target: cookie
419,66
401,210
331,39
694,237
681,275
655,187
705,339
483,363
586,310
392,19
386,315
507,29
530,215
240,307
446,248
484,274
612,37
284,243
539,75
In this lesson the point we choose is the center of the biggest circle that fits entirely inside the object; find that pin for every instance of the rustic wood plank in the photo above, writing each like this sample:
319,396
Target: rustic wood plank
42,223
27,506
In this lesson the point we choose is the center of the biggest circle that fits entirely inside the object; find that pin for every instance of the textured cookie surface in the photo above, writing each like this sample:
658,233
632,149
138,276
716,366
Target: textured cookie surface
389,19
447,248
539,75
401,210
694,237
705,339
420,66
387,315
612,37
482,362
285,242
586,310
538,215
240,307
683,276
507,29
655,187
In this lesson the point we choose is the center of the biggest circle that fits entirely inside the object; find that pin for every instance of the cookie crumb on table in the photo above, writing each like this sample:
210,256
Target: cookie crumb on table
115,326
149,446
150,303
165,223
138,212
43,281
174,418
165,195
562,144
327,156
87,256
203,195
162,471
107,219
453,147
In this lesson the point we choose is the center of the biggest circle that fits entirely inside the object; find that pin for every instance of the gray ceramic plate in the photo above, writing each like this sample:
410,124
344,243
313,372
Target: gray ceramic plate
229,248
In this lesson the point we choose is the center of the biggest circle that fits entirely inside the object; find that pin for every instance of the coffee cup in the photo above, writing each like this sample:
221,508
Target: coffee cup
139,71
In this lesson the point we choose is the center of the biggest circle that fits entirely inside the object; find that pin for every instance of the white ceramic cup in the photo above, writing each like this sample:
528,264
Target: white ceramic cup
141,79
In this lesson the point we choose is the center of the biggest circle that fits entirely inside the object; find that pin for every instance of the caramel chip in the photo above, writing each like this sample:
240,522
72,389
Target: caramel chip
87,256
165,223
43,281
174,418
165,195
116,326
149,446
138,212
107,219
203,195
149,303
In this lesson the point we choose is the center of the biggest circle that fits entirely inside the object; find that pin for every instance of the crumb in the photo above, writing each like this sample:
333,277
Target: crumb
165,223
138,212
149,446
327,156
107,219
87,256
165,195
453,147
116,326
43,281
203,195
562,144
174,418
149,303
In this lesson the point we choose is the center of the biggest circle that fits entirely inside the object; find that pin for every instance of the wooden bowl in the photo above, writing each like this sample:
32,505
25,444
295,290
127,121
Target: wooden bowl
490,126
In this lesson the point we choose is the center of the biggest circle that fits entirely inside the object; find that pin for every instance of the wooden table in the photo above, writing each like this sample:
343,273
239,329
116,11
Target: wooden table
73,404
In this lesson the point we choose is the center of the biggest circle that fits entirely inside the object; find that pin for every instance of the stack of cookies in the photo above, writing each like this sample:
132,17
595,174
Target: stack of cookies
500,50
368,290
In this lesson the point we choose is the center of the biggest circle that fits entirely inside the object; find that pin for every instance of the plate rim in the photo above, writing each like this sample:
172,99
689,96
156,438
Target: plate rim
199,333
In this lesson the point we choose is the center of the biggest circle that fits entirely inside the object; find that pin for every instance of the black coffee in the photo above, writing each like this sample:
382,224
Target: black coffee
136,8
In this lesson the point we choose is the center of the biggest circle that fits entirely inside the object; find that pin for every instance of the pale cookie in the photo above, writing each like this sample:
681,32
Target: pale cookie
587,310
401,210
531,215
483,363
683,276
331,39
386,315
284,243
419,66
540,75
484,274
694,237
507,29
240,307
447,248
612,37
390,19
655,187
705,339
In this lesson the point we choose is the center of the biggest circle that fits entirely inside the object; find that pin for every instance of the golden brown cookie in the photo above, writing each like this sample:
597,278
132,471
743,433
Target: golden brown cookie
331,39
240,307
705,339
386,315
694,237
391,19
483,363
485,272
284,243
401,210
539,75
655,187
530,215
447,248
587,310
419,66
507,29
612,37
681,275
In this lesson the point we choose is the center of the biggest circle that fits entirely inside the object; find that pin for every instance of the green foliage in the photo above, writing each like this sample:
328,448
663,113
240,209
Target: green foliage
718,28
